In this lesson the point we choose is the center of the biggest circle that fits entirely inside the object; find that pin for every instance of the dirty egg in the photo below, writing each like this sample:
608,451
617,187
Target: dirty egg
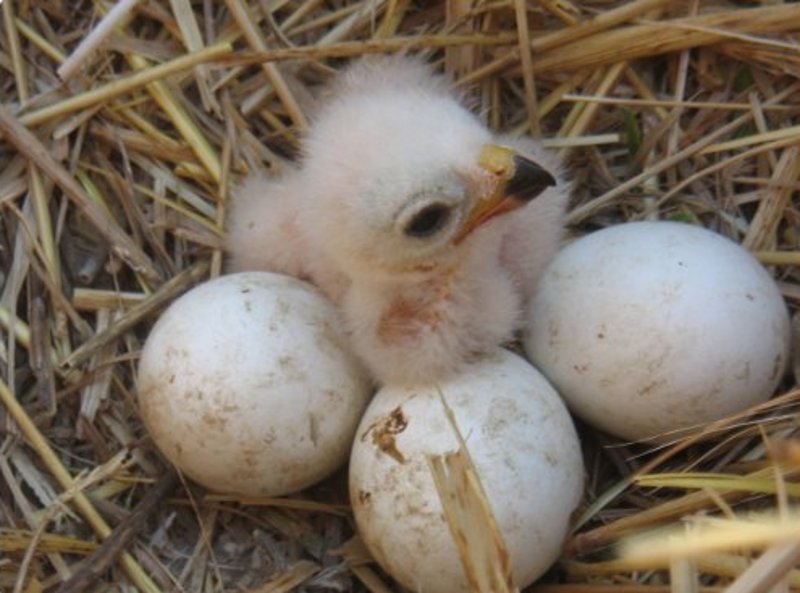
524,447
648,329
246,384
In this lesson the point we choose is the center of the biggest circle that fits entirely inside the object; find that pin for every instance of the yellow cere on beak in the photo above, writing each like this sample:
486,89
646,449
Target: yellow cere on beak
514,180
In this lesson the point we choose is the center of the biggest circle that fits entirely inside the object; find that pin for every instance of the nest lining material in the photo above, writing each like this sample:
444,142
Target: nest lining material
123,126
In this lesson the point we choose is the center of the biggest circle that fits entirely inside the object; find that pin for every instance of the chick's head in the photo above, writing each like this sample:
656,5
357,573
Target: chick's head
396,173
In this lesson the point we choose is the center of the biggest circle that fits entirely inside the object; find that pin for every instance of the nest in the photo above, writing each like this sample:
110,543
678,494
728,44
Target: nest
122,128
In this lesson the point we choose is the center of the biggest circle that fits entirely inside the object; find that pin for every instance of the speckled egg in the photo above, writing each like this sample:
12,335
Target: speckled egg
648,329
247,385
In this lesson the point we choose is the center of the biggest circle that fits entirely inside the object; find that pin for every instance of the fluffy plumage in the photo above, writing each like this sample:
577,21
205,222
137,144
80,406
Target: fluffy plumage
375,215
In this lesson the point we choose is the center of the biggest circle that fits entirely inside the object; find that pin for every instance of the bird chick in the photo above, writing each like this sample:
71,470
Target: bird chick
426,230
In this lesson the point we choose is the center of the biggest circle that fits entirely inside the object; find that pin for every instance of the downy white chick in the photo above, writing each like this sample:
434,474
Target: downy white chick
426,230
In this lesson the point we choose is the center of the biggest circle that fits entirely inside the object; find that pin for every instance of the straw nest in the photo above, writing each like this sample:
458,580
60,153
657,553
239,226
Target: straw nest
122,126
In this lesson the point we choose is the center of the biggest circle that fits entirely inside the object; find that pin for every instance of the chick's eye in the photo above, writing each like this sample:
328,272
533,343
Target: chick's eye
428,221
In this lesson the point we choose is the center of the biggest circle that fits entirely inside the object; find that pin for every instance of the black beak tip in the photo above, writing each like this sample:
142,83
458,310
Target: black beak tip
529,179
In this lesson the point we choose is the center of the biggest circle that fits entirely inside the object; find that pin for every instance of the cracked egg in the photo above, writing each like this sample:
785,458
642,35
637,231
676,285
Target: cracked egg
522,443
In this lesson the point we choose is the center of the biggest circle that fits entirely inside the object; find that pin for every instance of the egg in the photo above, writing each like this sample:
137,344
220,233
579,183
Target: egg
651,329
246,384
525,450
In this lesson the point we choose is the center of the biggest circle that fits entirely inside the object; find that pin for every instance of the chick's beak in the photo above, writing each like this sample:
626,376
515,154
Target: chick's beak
513,181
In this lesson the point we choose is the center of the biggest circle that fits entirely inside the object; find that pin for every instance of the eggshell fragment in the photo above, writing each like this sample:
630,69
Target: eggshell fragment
524,447
651,327
246,384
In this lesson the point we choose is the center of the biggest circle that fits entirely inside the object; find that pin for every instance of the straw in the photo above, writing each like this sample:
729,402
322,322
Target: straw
103,29
125,128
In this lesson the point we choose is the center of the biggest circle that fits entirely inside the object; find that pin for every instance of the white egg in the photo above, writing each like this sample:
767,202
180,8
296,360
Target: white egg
246,384
526,452
651,327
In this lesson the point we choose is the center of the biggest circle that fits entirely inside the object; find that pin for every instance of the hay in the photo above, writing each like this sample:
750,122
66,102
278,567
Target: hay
121,130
